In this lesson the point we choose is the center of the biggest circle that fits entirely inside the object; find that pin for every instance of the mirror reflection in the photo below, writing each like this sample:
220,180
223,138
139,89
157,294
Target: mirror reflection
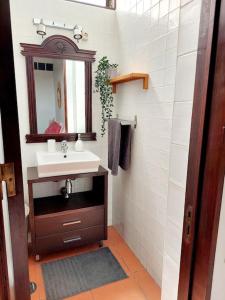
60,95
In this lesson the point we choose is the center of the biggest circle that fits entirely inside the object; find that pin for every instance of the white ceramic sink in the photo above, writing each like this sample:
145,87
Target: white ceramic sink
55,164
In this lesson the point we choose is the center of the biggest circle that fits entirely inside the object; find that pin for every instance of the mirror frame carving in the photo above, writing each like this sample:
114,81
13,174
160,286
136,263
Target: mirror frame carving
61,47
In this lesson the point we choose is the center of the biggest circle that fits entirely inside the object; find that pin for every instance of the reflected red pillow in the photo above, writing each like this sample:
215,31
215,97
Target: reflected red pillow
54,127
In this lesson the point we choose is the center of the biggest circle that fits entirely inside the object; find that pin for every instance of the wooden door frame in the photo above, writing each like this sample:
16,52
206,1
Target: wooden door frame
65,97
12,153
196,267
4,280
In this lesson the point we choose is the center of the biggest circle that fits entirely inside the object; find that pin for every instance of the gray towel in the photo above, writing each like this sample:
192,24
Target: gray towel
125,147
119,145
114,137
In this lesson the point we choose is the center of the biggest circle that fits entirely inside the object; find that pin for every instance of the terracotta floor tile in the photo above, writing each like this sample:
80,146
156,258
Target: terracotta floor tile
129,258
82,296
126,289
40,283
33,276
35,296
108,243
147,284
32,270
113,236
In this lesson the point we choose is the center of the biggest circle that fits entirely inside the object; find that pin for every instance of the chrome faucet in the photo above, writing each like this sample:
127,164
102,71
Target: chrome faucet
64,147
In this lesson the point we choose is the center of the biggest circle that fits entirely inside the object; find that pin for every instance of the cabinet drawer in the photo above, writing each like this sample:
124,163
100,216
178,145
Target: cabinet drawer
68,221
69,240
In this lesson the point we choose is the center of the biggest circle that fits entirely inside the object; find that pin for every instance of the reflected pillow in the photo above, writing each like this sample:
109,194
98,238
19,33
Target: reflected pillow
54,127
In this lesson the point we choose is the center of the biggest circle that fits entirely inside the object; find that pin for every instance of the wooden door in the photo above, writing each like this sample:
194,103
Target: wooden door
213,176
4,286
206,166
12,154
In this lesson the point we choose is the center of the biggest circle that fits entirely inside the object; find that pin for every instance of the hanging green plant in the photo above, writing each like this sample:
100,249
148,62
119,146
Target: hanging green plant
102,84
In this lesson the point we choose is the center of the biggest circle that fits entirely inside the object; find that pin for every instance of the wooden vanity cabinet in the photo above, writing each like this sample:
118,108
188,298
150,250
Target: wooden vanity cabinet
57,223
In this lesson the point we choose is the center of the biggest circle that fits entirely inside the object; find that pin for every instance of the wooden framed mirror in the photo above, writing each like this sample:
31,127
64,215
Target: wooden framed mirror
59,81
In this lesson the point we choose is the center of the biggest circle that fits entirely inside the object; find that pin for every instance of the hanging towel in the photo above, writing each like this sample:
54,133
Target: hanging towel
119,145
125,147
114,138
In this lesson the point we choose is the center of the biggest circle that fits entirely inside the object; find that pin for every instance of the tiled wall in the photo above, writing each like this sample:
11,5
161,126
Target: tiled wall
185,80
148,35
160,38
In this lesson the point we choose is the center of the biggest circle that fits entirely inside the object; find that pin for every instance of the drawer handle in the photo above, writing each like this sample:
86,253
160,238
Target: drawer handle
78,238
72,223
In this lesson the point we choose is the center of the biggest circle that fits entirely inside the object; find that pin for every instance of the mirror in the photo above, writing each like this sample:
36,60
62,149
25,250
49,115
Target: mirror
60,95
59,79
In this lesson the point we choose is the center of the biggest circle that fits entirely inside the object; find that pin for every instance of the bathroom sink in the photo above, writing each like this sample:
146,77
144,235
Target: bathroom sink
57,163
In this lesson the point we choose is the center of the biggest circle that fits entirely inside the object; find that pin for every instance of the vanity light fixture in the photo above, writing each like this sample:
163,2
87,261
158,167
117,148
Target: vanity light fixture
41,29
77,30
77,33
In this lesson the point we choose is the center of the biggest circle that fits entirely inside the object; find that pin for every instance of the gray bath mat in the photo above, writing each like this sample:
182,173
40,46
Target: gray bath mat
73,275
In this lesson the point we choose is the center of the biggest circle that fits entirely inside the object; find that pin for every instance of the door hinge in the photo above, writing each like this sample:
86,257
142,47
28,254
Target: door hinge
188,223
7,174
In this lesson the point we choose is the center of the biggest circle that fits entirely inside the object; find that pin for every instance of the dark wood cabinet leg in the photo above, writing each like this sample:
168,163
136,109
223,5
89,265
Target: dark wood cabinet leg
37,257
101,244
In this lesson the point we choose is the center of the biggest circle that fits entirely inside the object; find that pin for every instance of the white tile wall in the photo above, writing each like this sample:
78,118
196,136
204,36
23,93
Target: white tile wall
178,164
181,123
185,77
148,200
140,194
170,278
175,203
184,89
172,240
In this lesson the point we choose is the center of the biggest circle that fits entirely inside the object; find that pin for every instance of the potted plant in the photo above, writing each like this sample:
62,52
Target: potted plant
103,86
